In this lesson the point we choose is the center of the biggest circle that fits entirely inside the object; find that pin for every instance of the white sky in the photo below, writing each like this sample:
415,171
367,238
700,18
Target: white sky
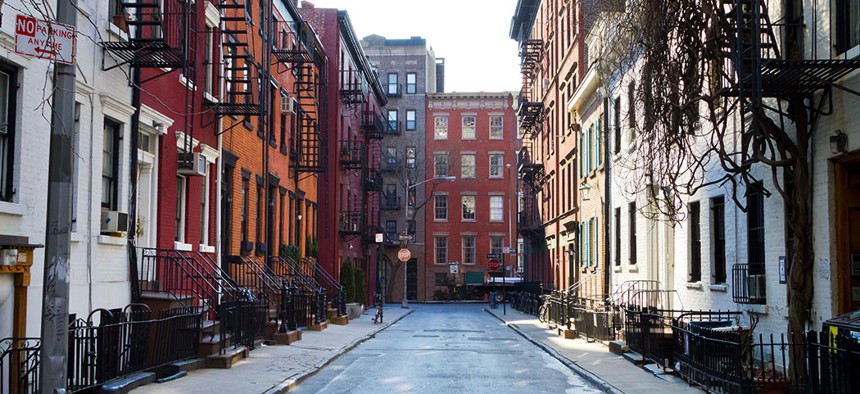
472,36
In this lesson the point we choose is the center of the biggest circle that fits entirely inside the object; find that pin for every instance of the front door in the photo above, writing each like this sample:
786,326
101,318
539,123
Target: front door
848,233
412,279
226,214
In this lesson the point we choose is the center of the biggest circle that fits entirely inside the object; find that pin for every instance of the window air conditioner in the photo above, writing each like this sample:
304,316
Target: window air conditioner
114,222
756,287
288,105
193,164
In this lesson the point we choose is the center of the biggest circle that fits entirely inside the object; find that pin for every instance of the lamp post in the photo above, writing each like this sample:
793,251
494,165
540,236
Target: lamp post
404,238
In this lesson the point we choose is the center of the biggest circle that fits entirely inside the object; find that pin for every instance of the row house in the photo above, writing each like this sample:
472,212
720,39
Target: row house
408,69
352,183
471,137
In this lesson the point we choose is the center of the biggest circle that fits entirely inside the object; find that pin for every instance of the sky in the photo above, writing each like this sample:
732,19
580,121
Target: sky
472,36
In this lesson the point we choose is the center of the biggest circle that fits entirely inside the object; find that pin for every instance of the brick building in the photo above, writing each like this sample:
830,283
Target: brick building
473,137
408,70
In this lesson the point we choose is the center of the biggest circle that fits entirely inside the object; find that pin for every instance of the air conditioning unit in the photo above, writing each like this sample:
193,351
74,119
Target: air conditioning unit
756,286
192,164
114,222
288,105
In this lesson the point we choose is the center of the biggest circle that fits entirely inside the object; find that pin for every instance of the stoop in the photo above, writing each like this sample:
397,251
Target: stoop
288,337
318,327
339,320
227,359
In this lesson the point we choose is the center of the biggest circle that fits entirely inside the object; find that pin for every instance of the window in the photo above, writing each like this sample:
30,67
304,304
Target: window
8,79
618,236
467,166
410,119
616,112
440,211
497,243
110,165
497,208
595,146
755,229
468,207
209,64
695,243
497,162
390,230
497,127
411,83
440,164
847,32
282,232
393,88
392,120
204,207
441,249
631,210
116,13
179,214
468,127
631,110
259,231
718,221
411,156
244,218
441,127
469,255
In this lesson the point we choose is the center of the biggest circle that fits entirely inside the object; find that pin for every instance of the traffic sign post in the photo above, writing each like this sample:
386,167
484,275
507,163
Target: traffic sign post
45,39
404,255
494,264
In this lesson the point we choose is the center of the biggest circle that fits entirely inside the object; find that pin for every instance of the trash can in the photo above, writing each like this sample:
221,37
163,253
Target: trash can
847,325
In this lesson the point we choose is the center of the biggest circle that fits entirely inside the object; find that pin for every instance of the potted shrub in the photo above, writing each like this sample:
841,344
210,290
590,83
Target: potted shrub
353,281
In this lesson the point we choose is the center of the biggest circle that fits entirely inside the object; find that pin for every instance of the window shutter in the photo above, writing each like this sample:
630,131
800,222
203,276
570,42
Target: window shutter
596,242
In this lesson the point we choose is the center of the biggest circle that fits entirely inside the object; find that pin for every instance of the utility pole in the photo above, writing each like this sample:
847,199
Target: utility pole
55,293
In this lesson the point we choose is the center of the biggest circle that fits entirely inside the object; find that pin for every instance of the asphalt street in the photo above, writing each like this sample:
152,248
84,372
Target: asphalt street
446,348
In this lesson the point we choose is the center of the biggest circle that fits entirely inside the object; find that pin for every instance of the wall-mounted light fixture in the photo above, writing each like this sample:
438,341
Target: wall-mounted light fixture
585,191
838,142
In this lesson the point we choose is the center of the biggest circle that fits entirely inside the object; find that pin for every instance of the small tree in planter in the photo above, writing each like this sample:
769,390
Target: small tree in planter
290,251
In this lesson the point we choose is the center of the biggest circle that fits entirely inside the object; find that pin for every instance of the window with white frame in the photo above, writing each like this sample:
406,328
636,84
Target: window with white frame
440,205
497,243
497,163
468,127
411,156
411,83
497,124
393,89
8,80
110,165
468,207
441,249
392,120
469,252
497,208
467,165
117,15
208,62
441,127
179,216
440,164
204,207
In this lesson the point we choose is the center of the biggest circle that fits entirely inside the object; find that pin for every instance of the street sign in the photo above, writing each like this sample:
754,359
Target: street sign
404,255
380,238
454,262
454,268
494,255
44,39
493,264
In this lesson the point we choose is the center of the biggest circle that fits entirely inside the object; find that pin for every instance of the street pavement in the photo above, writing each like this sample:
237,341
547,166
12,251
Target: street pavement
447,348
276,369
592,360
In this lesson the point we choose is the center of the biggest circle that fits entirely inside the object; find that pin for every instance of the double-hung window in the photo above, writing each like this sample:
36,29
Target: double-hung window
179,216
8,80
411,156
110,165
440,127
497,208
496,244
440,164
469,252
497,162
440,211
393,86
469,208
441,249
468,127
497,127
467,165
695,242
411,83
411,116
392,120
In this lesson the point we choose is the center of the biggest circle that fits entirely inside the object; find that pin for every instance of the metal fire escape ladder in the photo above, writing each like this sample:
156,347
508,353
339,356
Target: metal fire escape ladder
531,110
154,34
241,74
307,95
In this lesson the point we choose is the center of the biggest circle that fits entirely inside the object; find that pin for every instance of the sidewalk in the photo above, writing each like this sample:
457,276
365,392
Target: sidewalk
592,360
277,369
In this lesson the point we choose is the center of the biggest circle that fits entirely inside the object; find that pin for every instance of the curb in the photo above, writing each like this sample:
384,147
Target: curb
292,383
584,373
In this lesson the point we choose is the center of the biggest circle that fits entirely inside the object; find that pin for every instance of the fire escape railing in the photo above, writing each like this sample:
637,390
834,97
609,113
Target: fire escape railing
373,180
531,109
240,79
351,222
307,85
352,154
156,34
353,89
372,125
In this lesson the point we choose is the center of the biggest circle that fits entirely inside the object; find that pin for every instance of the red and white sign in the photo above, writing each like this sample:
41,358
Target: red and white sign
44,39
494,264
404,255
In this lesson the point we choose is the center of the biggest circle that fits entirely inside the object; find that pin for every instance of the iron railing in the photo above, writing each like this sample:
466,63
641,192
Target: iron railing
19,365
749,284
244,321
334,290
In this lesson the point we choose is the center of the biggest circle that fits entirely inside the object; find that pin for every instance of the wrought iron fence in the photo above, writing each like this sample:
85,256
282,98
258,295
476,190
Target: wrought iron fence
19,365
244,321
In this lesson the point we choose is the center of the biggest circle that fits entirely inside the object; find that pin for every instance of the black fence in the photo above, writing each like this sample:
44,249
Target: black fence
243,321
19,365
128,341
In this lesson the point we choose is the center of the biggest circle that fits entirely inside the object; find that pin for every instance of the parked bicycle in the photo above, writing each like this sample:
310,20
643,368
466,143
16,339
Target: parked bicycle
378,317
543,310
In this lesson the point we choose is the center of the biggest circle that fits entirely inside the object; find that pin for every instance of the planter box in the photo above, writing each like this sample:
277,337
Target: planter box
354,310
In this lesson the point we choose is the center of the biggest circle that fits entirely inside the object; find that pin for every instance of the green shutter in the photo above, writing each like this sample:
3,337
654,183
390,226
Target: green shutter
596,242
579,238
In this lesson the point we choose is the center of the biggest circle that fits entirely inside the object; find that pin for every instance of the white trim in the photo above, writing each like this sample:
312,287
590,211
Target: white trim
116,31
720,287
180,141
213,17
586,88
211,154
116,108
207,249
11,208
76,236
111,240
151,117
181,246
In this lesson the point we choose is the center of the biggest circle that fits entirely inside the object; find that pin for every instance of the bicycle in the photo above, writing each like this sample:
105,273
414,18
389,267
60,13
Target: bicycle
543,310
377,319
493,299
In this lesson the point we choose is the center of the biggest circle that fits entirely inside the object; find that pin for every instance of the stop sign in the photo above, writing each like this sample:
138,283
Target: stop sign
494,264
404,255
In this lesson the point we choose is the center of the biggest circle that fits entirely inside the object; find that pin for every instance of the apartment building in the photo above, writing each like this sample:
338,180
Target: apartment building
408,69
472,137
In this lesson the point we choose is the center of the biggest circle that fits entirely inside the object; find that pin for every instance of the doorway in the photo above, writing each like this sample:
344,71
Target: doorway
226,214
848,234
412,279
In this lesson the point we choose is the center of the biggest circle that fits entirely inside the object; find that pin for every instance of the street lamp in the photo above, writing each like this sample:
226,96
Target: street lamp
404,239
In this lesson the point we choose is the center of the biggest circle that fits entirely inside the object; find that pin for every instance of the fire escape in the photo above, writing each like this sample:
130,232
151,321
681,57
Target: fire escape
241,74
352,88
757,72
531,111
296,47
